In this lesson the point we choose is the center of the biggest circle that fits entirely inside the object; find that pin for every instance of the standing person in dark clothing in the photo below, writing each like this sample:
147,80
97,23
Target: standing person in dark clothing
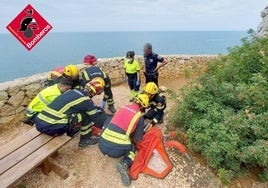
152,64
120,135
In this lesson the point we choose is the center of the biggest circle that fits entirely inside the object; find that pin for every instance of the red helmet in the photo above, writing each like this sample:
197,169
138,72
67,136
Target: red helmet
55,73
95,86
90,60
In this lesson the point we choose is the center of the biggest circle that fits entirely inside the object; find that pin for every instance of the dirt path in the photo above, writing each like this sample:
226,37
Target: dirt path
89,168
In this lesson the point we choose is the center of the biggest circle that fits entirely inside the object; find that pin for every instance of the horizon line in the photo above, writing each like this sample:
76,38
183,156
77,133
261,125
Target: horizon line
140,31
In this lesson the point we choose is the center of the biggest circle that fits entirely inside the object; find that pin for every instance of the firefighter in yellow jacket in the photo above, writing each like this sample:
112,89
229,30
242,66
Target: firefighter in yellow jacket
70,109
125,128
45,97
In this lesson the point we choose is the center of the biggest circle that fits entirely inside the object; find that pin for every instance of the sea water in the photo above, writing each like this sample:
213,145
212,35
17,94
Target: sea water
59,49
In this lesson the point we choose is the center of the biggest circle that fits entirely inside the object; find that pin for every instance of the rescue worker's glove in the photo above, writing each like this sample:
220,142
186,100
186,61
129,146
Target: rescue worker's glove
103,104
138,83
124,79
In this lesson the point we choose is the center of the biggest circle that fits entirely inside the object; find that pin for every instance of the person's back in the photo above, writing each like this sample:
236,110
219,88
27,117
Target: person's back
125,128
92,72
45,97
124,123
69,110
72,101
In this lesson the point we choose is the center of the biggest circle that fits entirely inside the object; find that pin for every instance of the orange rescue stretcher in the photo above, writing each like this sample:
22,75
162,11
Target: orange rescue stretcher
152,158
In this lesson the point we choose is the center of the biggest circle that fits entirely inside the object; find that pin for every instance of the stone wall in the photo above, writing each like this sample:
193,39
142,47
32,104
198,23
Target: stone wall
16,95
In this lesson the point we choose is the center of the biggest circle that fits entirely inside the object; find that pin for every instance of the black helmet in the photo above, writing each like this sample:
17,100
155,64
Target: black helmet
130,54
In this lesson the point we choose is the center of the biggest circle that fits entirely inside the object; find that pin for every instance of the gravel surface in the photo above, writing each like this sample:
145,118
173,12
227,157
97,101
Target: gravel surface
90,168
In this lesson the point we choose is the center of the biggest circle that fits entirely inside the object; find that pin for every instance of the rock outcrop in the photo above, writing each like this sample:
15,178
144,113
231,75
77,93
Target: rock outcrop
263,26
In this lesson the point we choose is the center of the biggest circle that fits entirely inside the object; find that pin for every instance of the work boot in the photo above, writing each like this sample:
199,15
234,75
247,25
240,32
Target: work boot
73,131
122,168
83,143
111,108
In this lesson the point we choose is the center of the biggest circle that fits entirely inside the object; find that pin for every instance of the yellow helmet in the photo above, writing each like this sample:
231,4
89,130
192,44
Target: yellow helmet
151,88
95,86
71,71
142,99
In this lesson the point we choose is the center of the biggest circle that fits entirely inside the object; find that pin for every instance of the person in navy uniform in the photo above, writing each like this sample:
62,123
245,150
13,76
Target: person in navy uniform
152,64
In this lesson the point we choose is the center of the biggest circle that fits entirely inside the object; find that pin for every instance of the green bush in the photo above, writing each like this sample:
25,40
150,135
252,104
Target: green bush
225,113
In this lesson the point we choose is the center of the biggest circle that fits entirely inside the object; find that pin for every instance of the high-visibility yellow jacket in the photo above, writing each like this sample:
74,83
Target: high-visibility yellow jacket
42,99
133,67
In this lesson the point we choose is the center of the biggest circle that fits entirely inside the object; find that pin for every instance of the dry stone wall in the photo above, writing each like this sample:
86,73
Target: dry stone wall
16,95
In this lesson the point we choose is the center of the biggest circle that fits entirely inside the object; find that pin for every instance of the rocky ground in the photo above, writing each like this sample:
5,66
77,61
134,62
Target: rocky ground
89,168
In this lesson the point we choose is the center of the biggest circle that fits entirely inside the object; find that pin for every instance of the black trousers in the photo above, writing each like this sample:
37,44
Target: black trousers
108,94
116,152
132,79
151,77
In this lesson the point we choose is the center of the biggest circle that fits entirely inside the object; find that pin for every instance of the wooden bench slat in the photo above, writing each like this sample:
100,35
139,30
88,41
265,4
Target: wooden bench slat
24,151
32,160
18,142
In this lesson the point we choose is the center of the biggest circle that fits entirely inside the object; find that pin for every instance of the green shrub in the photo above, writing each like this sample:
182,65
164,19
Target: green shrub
225,113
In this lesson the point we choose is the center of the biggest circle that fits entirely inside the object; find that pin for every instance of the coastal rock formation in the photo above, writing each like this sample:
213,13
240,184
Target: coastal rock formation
16,95
263,26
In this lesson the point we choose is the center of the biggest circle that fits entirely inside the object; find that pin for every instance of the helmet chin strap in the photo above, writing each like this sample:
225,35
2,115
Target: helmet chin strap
89,93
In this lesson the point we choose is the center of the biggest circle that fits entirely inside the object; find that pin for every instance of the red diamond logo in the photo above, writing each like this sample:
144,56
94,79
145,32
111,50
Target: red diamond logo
29,27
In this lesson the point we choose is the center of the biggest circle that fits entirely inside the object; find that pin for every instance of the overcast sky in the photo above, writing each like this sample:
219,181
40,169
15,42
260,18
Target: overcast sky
140,15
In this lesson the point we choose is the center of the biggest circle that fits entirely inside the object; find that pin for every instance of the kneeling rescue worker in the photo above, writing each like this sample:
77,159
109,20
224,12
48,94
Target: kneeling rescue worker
157,104
70,109
120,135
70,72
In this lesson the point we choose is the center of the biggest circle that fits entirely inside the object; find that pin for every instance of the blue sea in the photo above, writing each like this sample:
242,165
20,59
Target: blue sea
57,49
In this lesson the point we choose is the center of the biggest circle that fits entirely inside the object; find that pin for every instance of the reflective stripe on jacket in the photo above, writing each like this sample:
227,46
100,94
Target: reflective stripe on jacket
92,72
43,98
70,102
126,118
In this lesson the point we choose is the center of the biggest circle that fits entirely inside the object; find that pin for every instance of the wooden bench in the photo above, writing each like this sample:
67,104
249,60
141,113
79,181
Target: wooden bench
27,151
